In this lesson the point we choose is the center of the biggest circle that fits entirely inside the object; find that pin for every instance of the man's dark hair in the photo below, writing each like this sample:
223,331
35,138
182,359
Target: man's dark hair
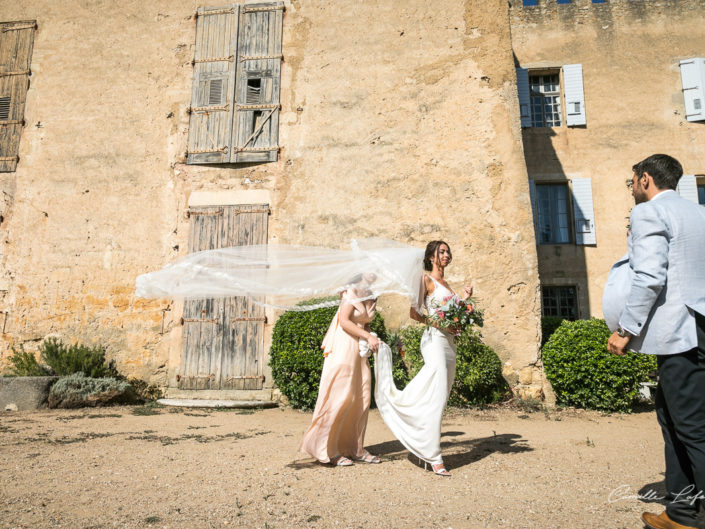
664,169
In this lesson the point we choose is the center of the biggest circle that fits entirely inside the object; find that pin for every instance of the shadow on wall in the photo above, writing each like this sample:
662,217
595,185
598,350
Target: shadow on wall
563,226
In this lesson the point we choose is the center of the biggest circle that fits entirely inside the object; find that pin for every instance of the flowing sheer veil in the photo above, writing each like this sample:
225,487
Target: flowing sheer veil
280,275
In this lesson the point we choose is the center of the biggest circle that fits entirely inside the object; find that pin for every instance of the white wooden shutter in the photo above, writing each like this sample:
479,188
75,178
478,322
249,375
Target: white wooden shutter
583,212
688,188
211,123
524,96
574,94
693,77
256,134
534,209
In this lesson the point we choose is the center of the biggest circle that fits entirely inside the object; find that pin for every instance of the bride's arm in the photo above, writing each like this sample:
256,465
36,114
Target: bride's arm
350,327
428,289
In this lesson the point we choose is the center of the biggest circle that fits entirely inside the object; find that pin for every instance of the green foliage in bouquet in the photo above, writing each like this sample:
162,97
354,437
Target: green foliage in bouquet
478,372
585,375
296,357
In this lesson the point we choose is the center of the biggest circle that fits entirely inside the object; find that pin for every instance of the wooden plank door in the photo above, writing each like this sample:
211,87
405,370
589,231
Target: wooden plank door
223,339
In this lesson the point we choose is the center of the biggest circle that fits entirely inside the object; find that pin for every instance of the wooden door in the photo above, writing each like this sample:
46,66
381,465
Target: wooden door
223,339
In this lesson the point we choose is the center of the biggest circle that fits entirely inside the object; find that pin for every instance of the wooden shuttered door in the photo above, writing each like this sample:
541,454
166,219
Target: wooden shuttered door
237,76
223,339
16,41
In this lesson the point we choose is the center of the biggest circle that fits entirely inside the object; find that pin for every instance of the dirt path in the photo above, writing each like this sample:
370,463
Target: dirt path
181,468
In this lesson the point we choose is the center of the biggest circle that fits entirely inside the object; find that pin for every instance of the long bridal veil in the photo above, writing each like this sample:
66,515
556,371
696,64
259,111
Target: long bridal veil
283,275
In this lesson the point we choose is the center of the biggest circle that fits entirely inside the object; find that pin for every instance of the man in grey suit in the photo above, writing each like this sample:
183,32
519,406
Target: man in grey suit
664,315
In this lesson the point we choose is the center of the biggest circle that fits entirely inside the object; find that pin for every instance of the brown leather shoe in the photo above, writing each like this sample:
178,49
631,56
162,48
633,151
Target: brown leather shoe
662,521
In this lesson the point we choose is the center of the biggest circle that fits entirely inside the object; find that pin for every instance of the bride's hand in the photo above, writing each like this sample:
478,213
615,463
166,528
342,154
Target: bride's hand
373,342
468,292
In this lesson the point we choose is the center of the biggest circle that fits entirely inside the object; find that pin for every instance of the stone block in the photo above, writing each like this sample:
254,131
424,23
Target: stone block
24,393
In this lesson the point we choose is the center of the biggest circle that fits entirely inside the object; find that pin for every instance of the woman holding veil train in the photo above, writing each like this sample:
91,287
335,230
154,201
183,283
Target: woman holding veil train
414,414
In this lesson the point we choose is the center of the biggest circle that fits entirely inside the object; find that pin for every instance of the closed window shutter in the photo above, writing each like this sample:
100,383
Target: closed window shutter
16,42
534,209
693,78
524,96
256,126
574,95
583,212
212,108
688,188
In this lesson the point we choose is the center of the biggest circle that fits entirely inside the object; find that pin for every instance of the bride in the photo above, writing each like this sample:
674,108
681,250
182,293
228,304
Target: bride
414,414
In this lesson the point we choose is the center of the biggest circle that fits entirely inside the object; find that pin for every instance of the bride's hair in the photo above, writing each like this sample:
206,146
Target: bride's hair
432,251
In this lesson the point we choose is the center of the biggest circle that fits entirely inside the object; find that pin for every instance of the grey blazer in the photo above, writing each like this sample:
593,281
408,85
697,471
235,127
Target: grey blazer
667,258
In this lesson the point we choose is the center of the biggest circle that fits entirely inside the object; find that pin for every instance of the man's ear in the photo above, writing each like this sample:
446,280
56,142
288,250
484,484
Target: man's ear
649,180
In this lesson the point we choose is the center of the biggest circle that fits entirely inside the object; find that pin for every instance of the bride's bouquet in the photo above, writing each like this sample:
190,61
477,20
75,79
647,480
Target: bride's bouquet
455,315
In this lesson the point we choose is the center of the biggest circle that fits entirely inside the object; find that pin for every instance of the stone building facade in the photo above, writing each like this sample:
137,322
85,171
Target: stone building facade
633,105
396,120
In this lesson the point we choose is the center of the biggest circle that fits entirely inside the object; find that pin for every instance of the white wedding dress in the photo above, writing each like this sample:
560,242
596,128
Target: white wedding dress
414,414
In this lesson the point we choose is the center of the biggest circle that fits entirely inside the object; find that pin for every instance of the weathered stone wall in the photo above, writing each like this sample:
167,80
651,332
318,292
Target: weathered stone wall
398,121
630,53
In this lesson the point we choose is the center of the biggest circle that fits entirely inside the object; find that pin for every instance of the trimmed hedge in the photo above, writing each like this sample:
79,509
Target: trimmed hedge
549,324
478,372
296,357
585,375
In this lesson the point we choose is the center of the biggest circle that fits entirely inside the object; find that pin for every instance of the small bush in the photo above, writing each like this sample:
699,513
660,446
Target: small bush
144,390
478,371
296,357
78,391
25,364
585,375
549,324
65,360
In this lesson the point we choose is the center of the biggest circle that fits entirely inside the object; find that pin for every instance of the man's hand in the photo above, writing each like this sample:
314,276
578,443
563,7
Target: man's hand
617,344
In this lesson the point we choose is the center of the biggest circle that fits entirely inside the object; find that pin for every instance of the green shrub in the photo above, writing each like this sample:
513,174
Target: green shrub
25,364
478,371
296,357
78,390
585,375
549,324
65,360
144,390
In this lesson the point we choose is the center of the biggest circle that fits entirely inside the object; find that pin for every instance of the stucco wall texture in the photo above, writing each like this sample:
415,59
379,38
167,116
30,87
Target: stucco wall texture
630,53
398,120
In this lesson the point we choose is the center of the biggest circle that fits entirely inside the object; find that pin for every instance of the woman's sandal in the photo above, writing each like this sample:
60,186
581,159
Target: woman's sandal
341,461
368,458
440,470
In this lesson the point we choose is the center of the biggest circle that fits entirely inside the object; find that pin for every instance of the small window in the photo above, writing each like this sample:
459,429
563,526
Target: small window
254,91
531,3
560,301
545,100
564,1
553,214
701,194
598,1
4,108
215,92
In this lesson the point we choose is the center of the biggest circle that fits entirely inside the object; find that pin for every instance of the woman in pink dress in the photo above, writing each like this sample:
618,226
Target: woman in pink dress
337,431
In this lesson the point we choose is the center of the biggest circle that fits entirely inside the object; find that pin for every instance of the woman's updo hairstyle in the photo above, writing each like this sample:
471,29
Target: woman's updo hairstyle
432,251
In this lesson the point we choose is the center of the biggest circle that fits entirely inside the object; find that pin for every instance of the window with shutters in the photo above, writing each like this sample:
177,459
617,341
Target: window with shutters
16,40
693,79
701,193
551,97
563,212
237,76
560,301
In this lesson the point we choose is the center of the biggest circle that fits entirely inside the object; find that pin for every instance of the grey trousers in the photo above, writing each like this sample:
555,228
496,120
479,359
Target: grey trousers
680,410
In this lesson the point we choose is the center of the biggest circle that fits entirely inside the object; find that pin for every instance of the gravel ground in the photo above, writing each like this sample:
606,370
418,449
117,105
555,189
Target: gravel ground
200,468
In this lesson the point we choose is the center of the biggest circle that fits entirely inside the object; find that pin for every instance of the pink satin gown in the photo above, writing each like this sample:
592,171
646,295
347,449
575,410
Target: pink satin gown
340,417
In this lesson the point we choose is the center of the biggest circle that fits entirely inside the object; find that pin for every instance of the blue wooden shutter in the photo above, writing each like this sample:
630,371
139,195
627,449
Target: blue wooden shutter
583,212
211,122
688,188
693,78
534,209
524,96
574,95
